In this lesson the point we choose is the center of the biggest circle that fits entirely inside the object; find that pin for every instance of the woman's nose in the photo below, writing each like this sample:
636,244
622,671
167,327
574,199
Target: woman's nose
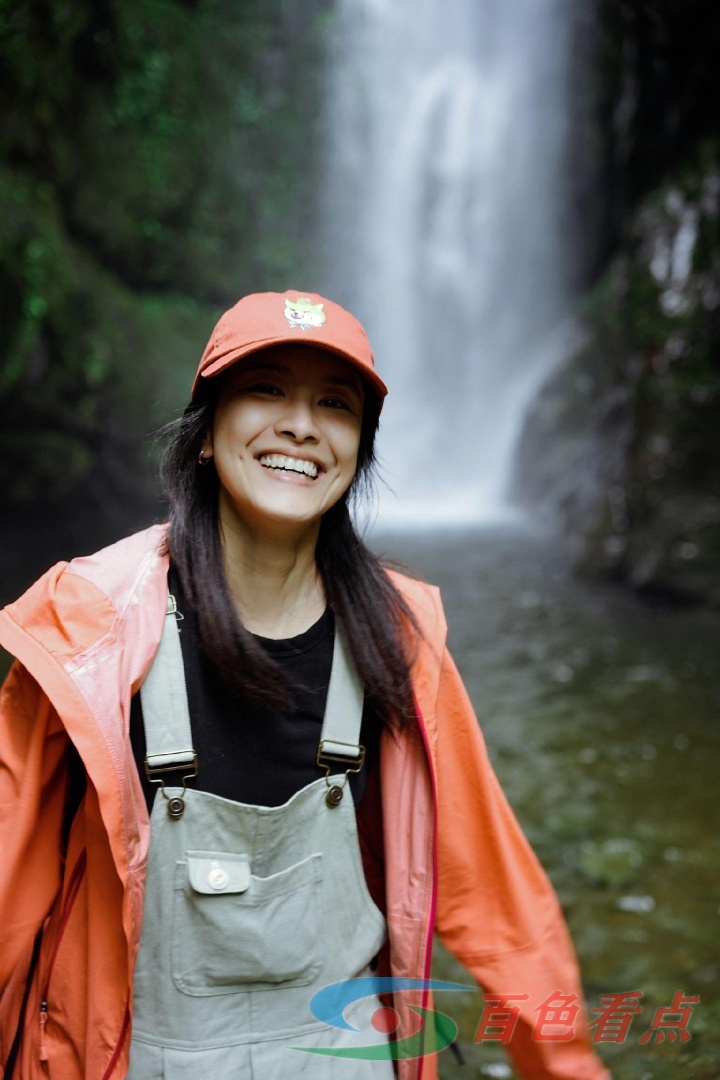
298,420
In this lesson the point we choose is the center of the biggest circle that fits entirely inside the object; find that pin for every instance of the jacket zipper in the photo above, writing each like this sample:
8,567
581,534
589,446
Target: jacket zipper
433,900
73,889
119,1046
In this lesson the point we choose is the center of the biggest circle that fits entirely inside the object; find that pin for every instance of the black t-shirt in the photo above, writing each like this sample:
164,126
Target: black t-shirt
251,755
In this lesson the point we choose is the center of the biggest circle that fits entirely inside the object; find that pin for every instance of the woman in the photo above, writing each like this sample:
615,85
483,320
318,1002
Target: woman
239,764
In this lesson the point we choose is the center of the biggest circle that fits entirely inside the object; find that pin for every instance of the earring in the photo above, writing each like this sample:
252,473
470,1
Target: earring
202,460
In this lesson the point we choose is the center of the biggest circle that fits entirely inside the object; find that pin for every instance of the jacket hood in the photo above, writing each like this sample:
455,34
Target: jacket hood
106,599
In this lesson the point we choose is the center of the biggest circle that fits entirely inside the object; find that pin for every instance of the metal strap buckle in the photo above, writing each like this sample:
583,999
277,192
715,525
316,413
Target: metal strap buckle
172,608
354,759
156,775
334,793
151,771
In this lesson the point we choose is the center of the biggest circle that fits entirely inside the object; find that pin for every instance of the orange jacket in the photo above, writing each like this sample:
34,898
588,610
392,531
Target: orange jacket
456,861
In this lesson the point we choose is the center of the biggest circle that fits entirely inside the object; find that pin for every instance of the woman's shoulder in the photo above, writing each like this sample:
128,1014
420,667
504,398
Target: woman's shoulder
83,634
425,602
121,557
76,601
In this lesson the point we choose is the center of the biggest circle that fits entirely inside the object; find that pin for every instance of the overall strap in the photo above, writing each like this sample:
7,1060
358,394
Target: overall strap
163,696
340,735
166,716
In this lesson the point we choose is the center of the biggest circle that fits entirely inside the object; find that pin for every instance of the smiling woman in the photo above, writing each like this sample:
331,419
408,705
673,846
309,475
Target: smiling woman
263,550
285,451
240,776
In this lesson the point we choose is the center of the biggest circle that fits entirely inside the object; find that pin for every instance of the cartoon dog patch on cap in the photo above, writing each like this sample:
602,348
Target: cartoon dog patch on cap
303,313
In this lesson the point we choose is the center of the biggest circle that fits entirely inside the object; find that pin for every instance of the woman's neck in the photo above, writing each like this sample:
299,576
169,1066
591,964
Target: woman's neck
273,577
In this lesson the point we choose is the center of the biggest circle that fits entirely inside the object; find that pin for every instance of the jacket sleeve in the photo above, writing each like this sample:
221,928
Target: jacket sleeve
497,911
33,783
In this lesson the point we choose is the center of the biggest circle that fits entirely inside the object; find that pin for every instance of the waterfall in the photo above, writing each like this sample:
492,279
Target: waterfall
443,202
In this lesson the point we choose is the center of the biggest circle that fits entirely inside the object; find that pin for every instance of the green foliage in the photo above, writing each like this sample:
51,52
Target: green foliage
153,157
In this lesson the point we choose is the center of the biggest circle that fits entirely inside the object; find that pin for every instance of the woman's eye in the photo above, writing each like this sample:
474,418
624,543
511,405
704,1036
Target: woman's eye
335,402
265,388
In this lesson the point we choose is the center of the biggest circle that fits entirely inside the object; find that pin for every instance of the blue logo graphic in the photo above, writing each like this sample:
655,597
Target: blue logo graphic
437,1030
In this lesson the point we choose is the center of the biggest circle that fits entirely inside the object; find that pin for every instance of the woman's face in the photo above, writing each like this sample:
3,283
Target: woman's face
290,407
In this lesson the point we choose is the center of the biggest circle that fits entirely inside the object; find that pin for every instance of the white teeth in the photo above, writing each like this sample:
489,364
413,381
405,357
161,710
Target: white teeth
279,461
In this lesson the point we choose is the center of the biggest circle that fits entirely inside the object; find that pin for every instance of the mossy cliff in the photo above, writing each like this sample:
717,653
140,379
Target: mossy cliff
622,446
156,162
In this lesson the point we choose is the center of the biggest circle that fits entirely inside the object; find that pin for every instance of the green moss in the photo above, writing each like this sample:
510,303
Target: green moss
153,156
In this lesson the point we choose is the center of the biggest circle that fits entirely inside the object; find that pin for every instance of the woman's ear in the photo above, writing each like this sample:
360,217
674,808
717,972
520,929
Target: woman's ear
206,448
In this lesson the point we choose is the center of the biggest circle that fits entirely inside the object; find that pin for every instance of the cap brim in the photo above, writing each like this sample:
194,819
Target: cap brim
230,358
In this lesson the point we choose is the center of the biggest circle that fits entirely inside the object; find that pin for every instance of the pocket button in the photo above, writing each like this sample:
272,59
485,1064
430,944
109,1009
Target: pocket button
218,878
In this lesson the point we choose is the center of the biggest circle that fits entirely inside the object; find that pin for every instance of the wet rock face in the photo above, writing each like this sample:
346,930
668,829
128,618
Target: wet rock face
622,447
152,162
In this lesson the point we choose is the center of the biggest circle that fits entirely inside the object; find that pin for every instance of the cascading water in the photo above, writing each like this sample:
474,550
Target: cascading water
443,204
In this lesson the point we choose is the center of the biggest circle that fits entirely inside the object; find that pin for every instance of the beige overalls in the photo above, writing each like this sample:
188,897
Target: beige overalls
250,910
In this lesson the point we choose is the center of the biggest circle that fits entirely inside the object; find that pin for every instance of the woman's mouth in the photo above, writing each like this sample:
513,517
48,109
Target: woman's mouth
290,468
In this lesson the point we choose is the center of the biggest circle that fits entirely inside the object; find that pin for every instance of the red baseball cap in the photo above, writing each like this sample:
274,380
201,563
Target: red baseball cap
260,320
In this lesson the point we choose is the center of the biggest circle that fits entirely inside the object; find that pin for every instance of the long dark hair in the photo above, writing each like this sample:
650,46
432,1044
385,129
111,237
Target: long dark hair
379,624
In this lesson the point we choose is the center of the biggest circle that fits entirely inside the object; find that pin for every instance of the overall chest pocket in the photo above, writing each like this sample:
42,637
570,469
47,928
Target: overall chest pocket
234,932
